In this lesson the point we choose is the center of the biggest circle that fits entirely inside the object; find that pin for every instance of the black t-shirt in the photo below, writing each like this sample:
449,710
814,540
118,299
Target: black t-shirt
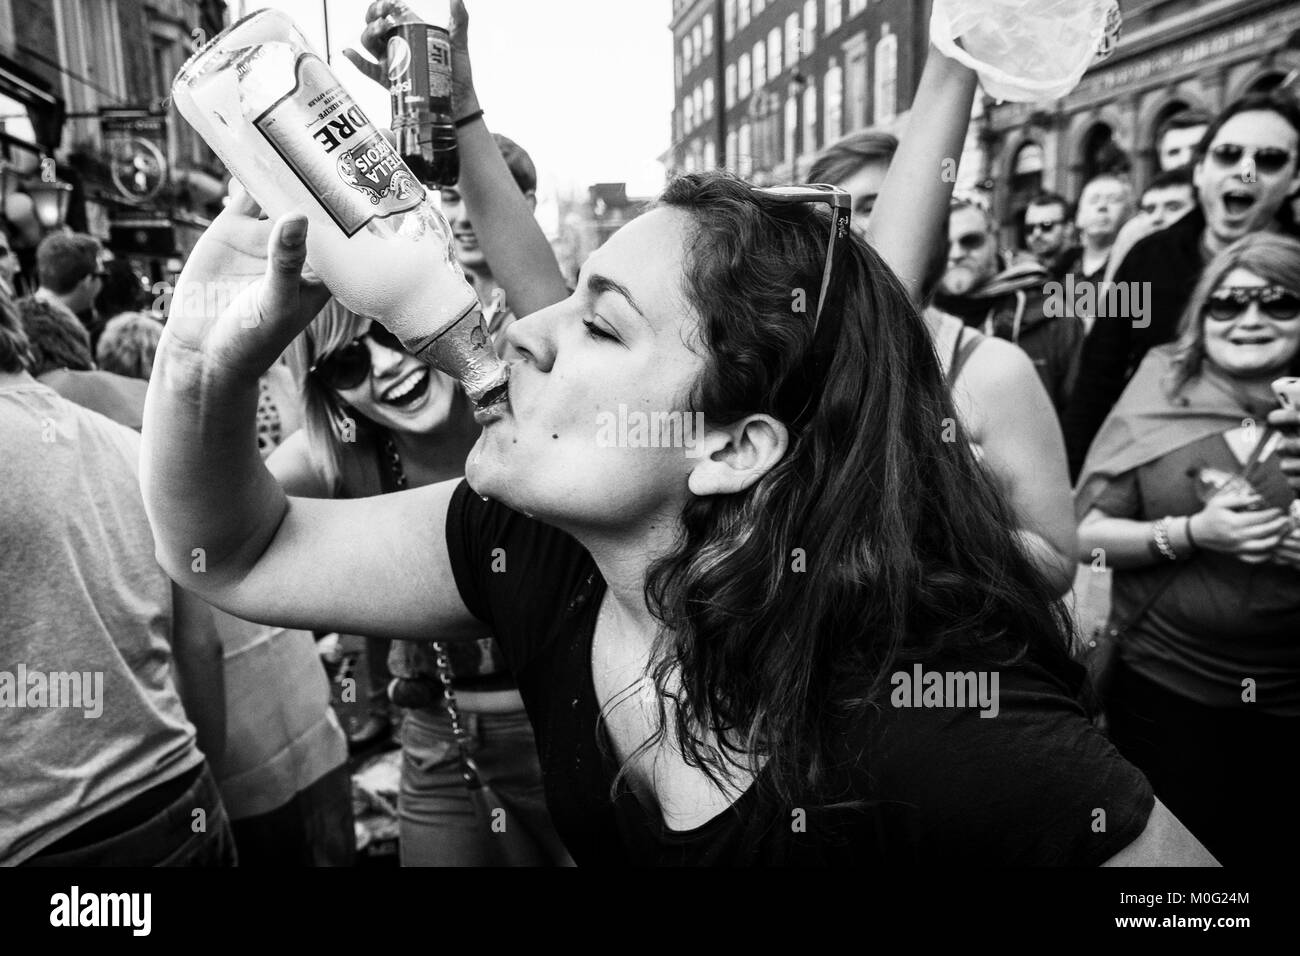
1037,784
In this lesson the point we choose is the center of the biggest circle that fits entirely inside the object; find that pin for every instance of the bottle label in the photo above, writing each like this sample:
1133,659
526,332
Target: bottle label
337,153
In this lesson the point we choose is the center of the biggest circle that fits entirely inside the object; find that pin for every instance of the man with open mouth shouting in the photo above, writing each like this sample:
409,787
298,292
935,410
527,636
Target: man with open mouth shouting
1247,167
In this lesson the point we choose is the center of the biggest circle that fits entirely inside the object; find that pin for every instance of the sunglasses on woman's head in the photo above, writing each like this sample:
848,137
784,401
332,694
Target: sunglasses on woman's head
349,366
1274,301
1267,159
824,334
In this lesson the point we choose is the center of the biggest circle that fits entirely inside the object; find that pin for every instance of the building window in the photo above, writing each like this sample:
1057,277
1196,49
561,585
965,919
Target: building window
698,109
809,27
791,127
744,158
834,15
809,144
886,85
92,48
774,53
688,114
708,98
832,102
730,100
856,7
743,20
708,32
792,38
730,162
760,65
697,37
688,53
710,154
729,20
690,158
744,76
857,82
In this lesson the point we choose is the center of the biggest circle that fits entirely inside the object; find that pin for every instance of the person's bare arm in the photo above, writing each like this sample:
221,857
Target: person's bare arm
521,258
222,525
1164,842
291,465
914,197
199,671
1016,429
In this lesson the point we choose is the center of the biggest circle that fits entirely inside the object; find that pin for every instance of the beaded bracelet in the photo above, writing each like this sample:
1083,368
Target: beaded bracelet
1160,534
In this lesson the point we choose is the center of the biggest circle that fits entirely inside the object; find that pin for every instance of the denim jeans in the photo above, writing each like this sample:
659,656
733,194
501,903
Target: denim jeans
169,839
312,829
440,825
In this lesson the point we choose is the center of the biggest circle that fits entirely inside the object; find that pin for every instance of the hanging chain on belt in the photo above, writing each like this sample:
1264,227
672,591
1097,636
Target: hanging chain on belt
468,769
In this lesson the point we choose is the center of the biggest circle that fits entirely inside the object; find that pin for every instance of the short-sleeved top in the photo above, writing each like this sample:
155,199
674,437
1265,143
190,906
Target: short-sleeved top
1219,620
1036,785
84,604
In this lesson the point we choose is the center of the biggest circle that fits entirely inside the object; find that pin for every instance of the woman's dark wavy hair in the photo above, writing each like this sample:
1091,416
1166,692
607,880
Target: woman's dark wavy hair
873,542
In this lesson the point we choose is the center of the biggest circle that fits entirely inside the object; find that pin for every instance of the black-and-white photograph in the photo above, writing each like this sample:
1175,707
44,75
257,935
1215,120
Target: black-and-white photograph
650,433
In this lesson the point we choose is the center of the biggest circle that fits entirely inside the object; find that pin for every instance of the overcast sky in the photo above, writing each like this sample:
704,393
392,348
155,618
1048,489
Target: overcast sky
586,86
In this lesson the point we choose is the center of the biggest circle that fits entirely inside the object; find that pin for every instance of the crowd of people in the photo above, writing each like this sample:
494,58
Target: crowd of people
637,655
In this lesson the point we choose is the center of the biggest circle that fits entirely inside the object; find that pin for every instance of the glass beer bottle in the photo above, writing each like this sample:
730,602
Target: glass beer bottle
279,119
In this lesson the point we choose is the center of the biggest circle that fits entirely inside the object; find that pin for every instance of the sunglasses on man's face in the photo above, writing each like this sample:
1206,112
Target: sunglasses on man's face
1047,226
1267,159
349,366
841,207
971,241
1274,301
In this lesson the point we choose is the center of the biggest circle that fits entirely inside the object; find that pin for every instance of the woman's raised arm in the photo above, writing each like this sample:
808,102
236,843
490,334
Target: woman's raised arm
223,527
913,201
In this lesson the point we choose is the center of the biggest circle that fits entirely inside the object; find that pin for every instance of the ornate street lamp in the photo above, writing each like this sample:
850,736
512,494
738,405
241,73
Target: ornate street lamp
50,202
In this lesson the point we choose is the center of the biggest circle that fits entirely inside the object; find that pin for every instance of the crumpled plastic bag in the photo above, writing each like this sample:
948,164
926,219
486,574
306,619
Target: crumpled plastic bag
1026,51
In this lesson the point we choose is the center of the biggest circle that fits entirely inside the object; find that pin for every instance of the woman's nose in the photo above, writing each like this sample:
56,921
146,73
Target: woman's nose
383,360
534,337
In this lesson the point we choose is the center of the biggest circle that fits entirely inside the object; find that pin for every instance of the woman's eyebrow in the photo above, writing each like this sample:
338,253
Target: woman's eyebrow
598,284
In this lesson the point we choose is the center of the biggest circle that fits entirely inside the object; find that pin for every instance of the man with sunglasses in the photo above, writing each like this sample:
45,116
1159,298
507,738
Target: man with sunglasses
1247,168
1047,231
1004,296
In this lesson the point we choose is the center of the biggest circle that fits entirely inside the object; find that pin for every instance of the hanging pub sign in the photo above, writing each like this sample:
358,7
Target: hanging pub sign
135,141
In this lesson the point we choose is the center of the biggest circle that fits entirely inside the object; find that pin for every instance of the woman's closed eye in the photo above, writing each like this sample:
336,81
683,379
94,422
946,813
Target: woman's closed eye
596,332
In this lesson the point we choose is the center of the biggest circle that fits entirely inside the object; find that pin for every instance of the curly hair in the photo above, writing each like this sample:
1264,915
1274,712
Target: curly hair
786,607
128,344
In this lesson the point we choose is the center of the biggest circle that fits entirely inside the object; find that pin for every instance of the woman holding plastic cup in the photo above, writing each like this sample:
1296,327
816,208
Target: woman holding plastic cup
1184,496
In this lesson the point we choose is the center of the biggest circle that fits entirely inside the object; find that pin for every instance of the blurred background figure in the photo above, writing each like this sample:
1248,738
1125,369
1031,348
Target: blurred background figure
120,291
1167,197
857,164
1005,297
1105,204
70,269
8,264
1177,142
62,359
1048,233
123,780
128,344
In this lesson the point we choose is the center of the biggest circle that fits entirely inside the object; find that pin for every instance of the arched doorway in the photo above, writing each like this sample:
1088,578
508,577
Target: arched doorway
1101,154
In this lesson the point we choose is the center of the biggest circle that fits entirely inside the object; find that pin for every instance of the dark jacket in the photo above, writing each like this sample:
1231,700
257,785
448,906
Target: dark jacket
1171,261
1010,306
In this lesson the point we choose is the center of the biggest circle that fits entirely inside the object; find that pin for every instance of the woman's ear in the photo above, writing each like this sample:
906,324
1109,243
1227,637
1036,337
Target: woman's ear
731,458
